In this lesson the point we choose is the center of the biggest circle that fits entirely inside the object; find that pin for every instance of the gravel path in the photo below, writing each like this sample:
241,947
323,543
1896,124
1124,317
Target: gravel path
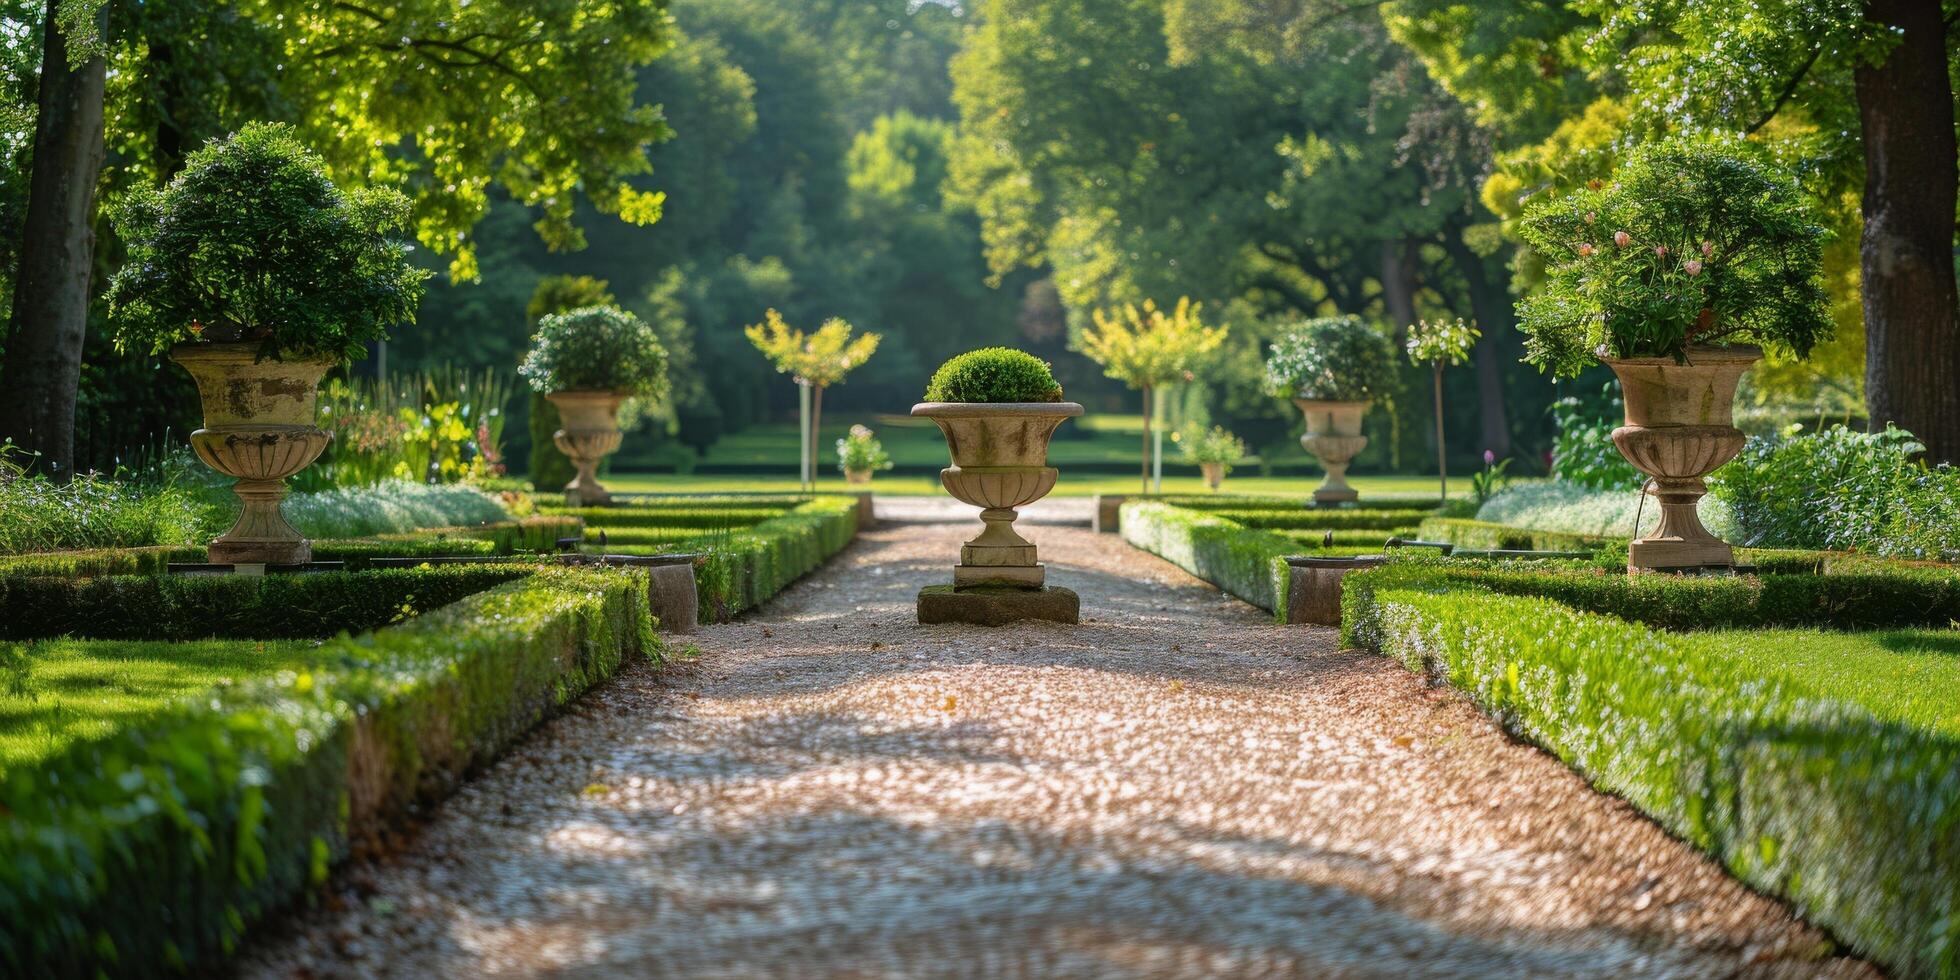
1174,788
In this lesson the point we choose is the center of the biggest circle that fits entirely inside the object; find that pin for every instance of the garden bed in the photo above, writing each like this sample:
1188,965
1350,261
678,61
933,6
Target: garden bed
162,797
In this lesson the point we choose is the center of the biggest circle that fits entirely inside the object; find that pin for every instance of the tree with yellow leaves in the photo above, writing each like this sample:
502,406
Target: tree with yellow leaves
816,360
1146,348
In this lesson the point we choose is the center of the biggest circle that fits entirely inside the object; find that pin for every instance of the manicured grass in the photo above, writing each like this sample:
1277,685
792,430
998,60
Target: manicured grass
1906,676
57,692
1412,489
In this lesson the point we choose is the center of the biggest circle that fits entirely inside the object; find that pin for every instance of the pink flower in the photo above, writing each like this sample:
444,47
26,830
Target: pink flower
1660,251
1490,458
1693,266
1586,251
1707,249
1592,216
1622,239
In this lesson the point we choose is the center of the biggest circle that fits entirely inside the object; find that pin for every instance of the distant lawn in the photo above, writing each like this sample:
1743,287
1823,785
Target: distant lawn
1415,489
1906,676
57,692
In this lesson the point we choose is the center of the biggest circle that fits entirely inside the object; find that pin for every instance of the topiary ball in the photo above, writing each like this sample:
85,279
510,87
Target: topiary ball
596,348
994,374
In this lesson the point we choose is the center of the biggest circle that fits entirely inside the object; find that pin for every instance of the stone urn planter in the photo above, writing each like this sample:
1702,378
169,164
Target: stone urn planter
258,429
1000,463
857,477
1680,427
1214,474
1334,438
590,433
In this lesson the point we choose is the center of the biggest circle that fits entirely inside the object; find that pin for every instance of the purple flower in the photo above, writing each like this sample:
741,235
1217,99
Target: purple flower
1490,458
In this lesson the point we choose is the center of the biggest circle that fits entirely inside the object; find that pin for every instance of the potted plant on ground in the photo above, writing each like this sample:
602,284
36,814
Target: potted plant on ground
258,276
1215,451
588,362
1698,253
859,454
997,408
1333,368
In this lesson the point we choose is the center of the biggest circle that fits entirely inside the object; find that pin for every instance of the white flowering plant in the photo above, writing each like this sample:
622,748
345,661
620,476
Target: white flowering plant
860,451
1695,241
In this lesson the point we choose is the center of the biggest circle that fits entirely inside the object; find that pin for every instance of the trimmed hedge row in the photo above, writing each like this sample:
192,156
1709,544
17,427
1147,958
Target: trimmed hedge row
531,534
152,851
744,569
1247,563
1487,536
270,607
701,517
1235,501
1854,819
1302,519
1899,596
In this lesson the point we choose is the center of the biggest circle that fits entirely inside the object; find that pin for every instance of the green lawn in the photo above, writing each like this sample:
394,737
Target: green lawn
57,692
1415,489
1907,676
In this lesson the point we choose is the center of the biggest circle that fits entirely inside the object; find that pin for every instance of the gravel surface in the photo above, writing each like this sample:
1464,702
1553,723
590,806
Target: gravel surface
1174,788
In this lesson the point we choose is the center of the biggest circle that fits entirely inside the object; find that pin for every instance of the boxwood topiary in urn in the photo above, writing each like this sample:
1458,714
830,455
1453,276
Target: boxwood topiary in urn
1333,368
1699,252
997,408
258,275
588,362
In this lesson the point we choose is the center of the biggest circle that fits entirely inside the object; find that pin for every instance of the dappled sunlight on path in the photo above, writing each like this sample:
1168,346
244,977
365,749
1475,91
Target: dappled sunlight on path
1176,787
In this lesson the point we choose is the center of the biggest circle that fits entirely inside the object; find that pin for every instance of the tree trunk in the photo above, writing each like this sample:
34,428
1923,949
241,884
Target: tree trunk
51,290
1490,303
1146,438
1398,275
1912,313
816,431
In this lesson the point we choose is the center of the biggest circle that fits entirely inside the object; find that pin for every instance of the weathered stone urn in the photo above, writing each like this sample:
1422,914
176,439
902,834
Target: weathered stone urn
1334,438
589,433
1214,474
857,477
1680,427
1000,463
258,429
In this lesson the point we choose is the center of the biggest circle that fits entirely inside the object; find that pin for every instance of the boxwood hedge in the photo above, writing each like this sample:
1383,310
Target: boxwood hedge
745,568
1247,563
1849,813
153,850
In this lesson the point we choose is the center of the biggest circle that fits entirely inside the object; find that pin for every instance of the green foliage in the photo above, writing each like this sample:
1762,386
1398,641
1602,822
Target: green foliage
860,451
1808,769
1471,534
1580,510
1145,347
1298,518
1441,341
252,242
596,348
1485,483
1332,358
563,294
1843,490
1583,453
1695,241
390,508
745,568
1215,445
440,426
194,607
820,359
225,809
37,514
994,374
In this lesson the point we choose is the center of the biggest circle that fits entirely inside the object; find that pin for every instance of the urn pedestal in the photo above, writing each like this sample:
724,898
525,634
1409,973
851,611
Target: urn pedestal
1334,438
1000,463
590,434
1214,474
258,429
1680,427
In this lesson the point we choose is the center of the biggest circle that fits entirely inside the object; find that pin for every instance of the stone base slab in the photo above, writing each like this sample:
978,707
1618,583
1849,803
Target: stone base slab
997,605
1338,496
1012,576
1662,554
1108,517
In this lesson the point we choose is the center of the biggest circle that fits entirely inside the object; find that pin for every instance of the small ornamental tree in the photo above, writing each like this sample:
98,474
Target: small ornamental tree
1439,343
819,360
1331,358
1147,348
251,242
1695,241
596,348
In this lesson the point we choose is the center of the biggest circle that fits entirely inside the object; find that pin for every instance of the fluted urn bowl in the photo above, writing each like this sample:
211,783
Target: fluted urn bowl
1334,438
589,433
1680,427
258,430
1000,463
